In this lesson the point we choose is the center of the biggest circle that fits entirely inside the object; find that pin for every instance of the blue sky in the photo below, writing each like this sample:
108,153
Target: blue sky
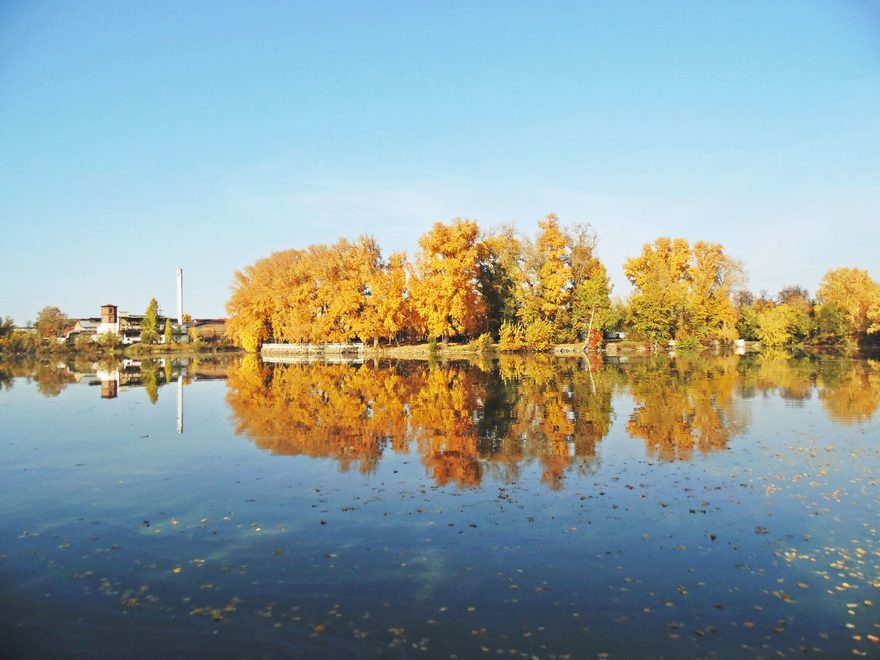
139,137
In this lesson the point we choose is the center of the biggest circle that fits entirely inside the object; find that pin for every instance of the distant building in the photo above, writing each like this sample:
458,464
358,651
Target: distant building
126,325
87,327
109,320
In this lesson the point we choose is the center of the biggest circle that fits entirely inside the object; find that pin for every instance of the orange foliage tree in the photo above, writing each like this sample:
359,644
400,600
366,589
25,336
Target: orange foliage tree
324,293
445,287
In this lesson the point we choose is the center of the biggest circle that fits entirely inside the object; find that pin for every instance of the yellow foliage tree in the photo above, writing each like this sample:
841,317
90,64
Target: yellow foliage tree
710,310
855,294
776,325
501,276
445,291
660,275
683,291
554,274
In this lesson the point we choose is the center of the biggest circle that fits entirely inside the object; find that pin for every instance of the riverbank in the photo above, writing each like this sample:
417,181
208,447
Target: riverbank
136,351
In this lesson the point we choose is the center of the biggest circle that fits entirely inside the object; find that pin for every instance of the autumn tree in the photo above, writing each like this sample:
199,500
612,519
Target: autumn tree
50,322
683,291
445,287
168,334
149,330
275,297
549,287
501,276
387,307
7,325
855,295
777,325
796,296
710,310
660,276
554,274
590,285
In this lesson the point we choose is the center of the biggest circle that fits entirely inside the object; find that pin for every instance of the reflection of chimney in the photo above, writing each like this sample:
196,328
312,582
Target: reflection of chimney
180,296
179,402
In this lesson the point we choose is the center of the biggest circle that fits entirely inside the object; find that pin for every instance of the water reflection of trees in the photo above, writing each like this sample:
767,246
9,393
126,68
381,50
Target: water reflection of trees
560,412
463,420
849,389
852,395
51,378
685,404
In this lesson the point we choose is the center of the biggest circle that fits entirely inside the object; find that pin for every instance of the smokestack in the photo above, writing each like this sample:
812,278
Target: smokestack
180,296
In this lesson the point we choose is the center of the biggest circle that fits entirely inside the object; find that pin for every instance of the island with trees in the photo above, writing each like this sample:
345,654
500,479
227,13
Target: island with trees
531,293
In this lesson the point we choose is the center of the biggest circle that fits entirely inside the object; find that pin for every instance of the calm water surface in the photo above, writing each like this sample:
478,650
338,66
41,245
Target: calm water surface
549,508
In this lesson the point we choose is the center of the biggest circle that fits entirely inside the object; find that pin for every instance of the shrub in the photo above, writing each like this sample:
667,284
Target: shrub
483,343
108,340
510,338
687,344
539,335
195,340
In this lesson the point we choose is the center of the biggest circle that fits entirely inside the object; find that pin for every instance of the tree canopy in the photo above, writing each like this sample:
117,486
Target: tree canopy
682,291
531,292
50,322
462,282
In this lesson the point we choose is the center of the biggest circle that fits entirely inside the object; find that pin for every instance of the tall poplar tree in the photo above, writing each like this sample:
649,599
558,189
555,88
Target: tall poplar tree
150,328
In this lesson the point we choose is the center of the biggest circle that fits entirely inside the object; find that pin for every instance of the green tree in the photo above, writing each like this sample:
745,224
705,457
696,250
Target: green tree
149,332
616,317
501,276
747,323
50,322
169,336
830,326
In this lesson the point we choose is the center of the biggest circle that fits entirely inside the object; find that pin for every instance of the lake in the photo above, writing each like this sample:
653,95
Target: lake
536,507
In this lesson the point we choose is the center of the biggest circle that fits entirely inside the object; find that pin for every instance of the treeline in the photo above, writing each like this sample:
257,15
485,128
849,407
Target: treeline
531,292
51,334
462,283
847,305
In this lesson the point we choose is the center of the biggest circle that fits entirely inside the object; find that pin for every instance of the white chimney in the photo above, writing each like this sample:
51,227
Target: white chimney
180,296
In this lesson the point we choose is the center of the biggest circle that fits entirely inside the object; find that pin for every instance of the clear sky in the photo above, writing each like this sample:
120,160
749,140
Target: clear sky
136,137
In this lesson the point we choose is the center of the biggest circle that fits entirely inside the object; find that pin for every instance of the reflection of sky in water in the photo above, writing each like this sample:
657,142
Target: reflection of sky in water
578,535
